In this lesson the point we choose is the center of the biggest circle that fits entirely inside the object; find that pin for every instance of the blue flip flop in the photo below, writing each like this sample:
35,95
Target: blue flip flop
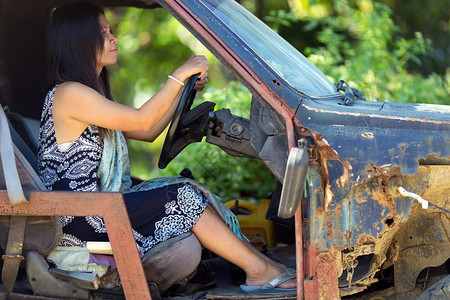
271,286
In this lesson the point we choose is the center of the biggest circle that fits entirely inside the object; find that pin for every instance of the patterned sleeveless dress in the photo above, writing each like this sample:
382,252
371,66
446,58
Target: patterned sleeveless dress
158,209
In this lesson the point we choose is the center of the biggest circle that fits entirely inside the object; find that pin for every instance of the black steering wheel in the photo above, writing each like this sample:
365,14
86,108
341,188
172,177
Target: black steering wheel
186,100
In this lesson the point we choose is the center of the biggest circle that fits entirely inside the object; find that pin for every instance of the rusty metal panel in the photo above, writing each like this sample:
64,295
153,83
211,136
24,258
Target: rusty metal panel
324,285
366,220
370,208
327,277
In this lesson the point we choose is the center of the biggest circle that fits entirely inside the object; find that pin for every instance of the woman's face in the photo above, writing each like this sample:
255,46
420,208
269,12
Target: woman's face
109,54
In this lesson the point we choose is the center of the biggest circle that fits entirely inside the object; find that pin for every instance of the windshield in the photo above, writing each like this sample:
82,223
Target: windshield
270,47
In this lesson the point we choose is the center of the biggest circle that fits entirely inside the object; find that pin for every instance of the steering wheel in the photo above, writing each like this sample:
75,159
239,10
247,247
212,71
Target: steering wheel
175,127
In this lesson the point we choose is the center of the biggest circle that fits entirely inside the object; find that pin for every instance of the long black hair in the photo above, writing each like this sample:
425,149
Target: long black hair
74,40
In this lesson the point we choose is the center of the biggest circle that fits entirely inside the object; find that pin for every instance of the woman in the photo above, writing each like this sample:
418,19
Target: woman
82,147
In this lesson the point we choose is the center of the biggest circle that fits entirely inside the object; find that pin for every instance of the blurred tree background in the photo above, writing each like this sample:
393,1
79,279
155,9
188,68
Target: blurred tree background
392,50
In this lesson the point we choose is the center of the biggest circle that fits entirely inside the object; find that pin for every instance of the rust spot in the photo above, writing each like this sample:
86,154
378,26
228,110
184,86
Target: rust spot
393,251
328,195
365,239
324,257
344,178
360,194
379,177
384,188
373,170
434,159
381,196
348,234
330,226
319,211
325,153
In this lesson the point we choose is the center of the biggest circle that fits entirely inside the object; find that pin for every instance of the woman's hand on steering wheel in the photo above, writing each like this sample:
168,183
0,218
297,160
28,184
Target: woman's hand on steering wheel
196,64
201,82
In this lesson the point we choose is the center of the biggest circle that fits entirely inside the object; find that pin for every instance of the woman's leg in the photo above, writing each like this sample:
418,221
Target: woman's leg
215,235
265,257
257,252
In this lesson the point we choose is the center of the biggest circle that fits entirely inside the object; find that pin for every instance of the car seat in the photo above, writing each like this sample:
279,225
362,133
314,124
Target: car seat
173,261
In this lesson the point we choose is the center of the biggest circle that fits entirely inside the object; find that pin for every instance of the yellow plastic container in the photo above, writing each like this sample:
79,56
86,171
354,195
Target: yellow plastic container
254,225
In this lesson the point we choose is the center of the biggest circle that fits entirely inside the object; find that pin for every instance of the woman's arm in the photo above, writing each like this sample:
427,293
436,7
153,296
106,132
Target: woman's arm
155,131
75,106
151,134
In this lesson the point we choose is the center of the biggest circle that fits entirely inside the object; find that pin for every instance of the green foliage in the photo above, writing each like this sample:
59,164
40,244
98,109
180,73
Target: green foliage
432,19
279,17
362,46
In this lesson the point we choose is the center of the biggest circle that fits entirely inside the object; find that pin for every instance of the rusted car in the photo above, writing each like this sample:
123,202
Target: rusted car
366,184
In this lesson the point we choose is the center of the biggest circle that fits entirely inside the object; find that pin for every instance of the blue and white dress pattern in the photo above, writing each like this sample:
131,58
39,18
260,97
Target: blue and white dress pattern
158,209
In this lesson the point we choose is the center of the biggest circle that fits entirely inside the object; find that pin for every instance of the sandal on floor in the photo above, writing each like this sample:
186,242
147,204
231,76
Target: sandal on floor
271,286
